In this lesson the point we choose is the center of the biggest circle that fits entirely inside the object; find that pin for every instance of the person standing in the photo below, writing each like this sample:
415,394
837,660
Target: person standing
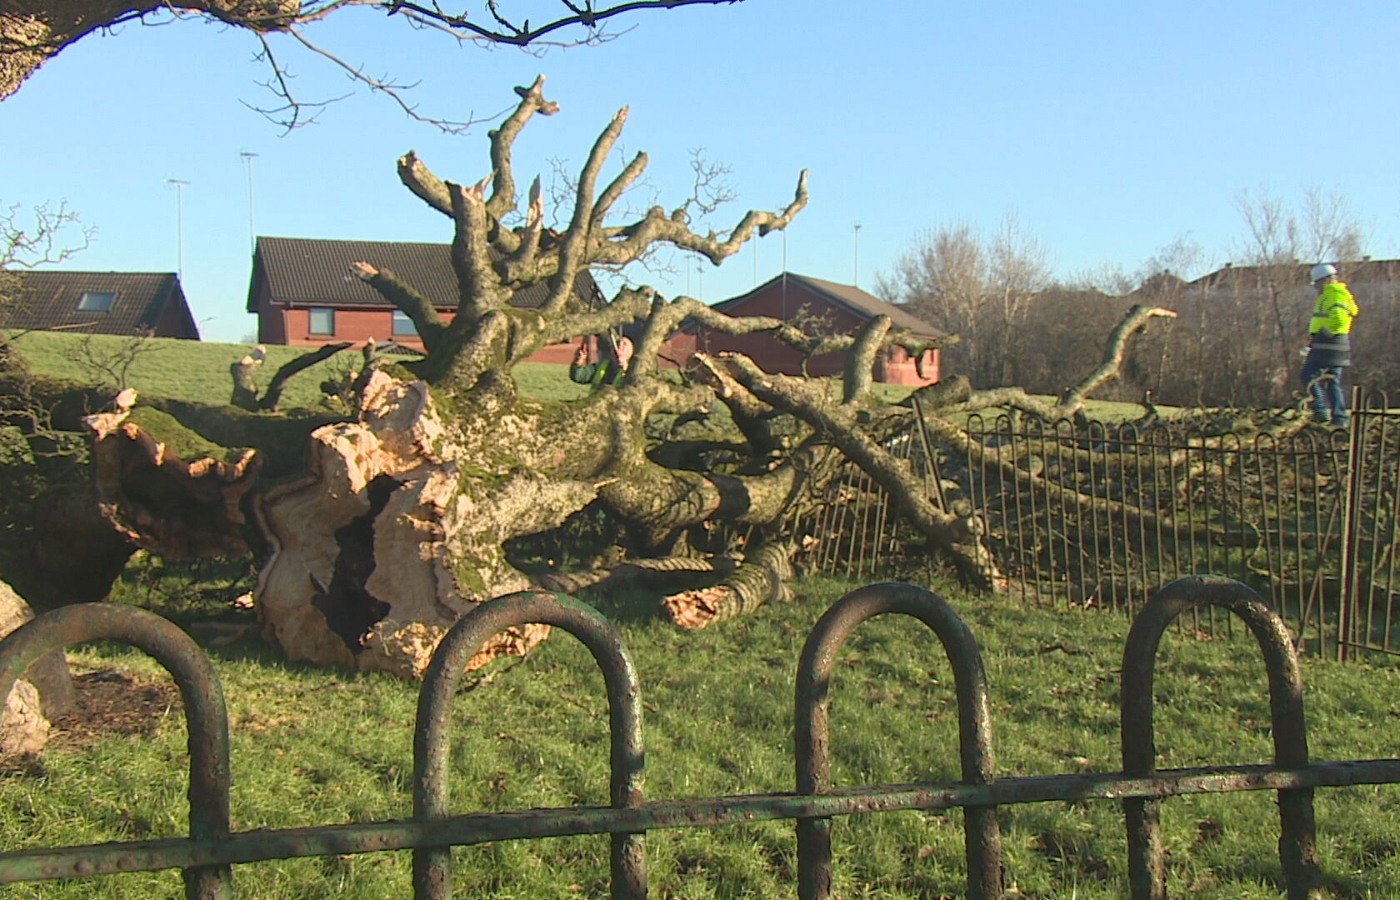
1329,346
614,359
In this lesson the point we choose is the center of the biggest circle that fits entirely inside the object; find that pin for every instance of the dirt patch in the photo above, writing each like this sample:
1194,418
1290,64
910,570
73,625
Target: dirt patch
109,702
105,703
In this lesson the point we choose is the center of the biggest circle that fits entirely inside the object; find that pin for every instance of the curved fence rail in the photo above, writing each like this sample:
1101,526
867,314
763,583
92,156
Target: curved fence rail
207,854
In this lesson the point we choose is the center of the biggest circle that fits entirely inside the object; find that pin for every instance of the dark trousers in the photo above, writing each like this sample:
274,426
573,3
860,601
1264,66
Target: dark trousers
1324,386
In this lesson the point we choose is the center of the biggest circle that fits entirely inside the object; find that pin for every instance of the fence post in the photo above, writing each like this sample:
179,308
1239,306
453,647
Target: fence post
431,738
1297,842
812,740
1351,520
206,717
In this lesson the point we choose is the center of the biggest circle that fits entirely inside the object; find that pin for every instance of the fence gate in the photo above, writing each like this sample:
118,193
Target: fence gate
1370,588
208,853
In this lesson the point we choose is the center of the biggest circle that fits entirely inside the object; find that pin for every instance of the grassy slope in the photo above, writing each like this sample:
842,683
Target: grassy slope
313,747
199,371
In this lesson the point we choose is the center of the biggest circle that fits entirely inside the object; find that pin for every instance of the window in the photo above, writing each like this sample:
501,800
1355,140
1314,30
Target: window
403,325
320,320
96,301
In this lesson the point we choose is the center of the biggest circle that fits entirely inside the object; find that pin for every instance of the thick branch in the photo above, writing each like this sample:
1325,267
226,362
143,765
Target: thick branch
573,250
279,381
958,537
1073,400
423,184
479,288
532,101
418,308
860,361
1134,322
761,579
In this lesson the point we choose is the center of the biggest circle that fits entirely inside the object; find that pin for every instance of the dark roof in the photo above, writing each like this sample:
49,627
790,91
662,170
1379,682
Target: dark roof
49,302
1361,271
315,271
848,296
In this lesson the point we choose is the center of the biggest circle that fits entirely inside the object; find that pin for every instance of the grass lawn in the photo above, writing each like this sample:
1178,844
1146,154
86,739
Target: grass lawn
199,371
318,747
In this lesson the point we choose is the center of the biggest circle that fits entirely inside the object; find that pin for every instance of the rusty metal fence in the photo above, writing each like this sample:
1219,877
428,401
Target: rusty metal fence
212,847
1094,515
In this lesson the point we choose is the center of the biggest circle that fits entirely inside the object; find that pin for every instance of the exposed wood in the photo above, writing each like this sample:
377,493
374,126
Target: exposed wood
759,580
175,507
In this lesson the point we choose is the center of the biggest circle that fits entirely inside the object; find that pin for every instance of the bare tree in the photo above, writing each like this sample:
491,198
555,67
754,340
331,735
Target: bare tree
47,234
1278,239
34,31
980,288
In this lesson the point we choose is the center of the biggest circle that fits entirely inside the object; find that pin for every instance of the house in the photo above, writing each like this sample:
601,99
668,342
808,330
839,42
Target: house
124,303
304,293
821,307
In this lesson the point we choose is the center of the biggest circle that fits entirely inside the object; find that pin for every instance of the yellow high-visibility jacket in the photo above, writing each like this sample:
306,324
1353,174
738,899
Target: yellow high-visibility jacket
1333,312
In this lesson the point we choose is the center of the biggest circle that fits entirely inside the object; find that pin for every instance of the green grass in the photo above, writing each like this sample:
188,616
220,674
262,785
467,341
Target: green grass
317,747
199,371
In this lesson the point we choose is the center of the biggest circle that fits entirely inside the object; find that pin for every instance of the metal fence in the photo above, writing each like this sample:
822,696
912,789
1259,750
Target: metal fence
212,847
1094,515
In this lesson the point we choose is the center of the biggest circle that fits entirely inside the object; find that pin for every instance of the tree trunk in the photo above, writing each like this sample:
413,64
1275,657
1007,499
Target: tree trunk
398,531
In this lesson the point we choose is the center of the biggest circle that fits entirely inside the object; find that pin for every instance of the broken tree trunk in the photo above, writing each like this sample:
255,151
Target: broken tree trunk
384,544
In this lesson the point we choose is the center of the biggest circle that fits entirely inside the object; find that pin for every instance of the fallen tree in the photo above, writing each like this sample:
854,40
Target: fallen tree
417,507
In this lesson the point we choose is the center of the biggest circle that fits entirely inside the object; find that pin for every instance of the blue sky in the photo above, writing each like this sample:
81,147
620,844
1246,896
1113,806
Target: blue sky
1109,130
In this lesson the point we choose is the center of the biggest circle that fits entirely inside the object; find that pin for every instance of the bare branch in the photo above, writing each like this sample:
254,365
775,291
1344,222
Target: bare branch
382,85
580,234
424,185
628,242
503,139
522,34
41,241
31,34
1134,321
807,401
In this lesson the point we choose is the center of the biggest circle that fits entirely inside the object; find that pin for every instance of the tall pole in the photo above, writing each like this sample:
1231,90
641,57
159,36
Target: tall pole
248,159
179,225
855,274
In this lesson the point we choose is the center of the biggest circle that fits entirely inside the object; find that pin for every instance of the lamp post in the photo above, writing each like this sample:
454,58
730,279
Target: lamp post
855,273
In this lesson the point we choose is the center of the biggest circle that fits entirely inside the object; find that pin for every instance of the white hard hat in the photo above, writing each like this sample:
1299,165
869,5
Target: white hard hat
1321,271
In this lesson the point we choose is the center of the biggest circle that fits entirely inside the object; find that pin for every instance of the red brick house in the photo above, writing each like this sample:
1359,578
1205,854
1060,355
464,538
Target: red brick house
840,308
123,303
304,293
